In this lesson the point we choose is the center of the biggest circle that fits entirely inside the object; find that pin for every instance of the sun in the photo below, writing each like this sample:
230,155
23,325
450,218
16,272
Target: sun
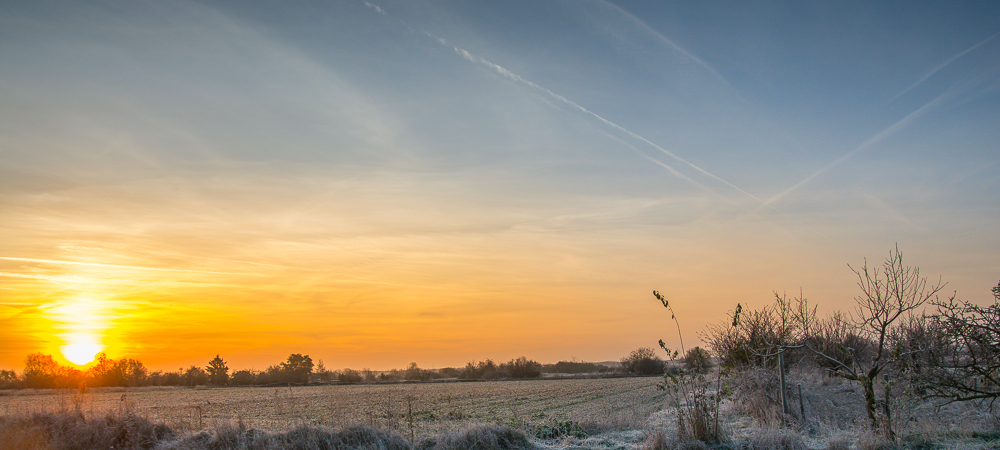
80,353
84,322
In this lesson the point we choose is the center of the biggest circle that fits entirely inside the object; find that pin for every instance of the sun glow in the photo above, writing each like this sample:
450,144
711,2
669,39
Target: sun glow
81,350
83,323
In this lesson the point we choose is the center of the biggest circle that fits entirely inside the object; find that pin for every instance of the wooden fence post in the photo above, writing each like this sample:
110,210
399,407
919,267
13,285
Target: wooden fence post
781,372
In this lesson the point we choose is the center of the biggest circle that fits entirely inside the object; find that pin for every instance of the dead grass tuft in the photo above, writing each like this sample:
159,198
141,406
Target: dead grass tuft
773,438
481,437
301,438
66,430
659,440
872,441
756,396
838,443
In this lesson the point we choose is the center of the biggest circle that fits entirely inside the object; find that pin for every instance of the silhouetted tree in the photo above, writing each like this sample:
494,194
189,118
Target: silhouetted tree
643,361
574,367
218,372
130,372
124,372
243,377
40,371
523,368
349,376
173,378
297,368
483,370
697,360
273,374
101,372
322,373
195,376
9,379
415,373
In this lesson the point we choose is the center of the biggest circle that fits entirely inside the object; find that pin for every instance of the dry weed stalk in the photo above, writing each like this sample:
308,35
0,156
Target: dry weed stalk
691,394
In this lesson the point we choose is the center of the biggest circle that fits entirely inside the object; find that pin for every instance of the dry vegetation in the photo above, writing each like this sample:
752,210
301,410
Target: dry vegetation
546,410
610,413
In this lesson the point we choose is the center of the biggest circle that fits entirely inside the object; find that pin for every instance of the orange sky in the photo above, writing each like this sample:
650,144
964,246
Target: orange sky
384,302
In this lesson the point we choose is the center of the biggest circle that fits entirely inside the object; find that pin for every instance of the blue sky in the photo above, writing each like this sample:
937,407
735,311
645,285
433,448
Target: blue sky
536,168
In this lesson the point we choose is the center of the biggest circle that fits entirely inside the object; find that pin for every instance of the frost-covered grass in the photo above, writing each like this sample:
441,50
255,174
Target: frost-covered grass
562,414
548,408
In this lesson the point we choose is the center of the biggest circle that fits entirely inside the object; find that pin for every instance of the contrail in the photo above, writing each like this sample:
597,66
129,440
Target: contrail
117,266
669,42
942,66
658,162
902,123
515,77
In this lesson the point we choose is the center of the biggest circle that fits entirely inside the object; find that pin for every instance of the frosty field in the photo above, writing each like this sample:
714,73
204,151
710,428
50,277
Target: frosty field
415,411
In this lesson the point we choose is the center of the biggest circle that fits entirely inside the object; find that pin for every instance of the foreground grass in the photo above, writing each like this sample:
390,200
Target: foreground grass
128,430
415,411
622,414
57,431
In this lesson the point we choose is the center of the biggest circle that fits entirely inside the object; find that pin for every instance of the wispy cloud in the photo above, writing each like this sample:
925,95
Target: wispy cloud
931,73
517,78
376,8
70,280
118,266
237,261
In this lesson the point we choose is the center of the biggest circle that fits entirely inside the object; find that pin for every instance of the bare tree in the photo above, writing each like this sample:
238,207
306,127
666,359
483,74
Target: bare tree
887,295
965,361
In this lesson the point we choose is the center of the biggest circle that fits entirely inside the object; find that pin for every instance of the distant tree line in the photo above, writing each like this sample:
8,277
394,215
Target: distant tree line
483,370
41,371
488,370
575,367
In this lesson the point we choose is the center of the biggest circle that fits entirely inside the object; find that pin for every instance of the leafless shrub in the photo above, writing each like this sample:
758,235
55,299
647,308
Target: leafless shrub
837,339
964,361
748,338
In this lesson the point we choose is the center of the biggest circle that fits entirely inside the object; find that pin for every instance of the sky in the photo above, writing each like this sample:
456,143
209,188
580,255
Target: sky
374,183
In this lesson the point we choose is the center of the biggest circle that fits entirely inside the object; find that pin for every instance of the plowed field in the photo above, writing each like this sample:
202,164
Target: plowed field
413,410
